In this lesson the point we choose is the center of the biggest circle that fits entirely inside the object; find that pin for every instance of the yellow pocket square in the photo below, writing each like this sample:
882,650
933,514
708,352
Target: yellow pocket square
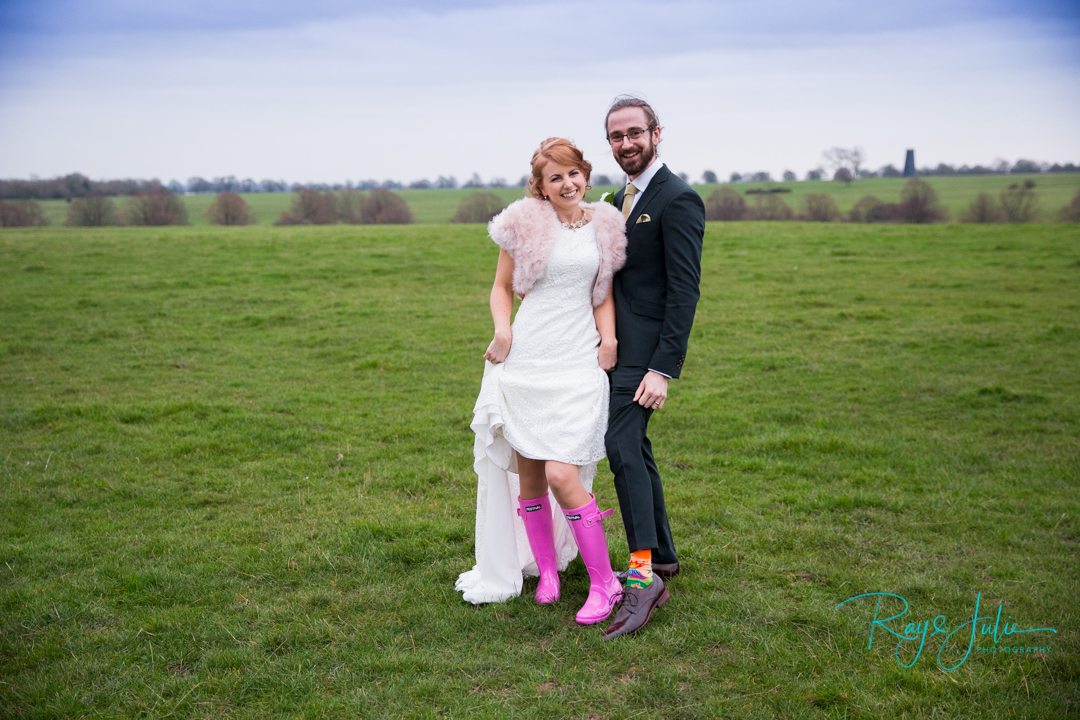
643,218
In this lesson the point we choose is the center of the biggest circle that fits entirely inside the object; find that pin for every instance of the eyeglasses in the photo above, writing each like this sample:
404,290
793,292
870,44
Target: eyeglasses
634,134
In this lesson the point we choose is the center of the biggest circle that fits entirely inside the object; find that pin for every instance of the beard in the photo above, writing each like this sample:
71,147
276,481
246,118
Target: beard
634,165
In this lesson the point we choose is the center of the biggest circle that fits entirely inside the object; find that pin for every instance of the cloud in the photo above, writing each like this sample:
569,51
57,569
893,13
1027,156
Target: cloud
345,91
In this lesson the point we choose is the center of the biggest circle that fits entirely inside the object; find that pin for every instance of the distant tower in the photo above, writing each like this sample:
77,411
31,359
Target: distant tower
909,164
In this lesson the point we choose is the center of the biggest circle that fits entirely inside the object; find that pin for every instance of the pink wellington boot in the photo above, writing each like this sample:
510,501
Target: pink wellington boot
604,588
536,514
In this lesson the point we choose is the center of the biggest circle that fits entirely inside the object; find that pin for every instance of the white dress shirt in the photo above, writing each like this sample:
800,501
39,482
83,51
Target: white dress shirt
642,181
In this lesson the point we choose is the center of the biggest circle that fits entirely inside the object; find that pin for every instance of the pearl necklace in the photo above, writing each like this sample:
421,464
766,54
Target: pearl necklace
576,225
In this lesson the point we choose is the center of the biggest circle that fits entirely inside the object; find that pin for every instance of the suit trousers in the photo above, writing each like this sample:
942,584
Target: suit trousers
637,479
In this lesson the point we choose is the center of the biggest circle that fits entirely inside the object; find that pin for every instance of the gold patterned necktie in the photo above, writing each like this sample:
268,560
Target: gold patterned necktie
628,200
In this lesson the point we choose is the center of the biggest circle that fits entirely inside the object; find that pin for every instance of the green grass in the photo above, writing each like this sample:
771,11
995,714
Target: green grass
438,206
236,478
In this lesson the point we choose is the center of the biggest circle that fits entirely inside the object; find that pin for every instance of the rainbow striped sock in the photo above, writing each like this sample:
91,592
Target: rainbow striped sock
640,575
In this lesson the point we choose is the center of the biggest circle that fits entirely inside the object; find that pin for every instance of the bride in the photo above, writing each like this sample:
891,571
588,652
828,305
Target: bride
542,411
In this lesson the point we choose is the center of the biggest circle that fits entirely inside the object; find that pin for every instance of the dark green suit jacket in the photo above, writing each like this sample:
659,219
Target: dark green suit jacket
656,292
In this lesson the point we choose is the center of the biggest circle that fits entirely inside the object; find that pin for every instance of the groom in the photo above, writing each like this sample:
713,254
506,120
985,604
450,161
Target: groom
656,293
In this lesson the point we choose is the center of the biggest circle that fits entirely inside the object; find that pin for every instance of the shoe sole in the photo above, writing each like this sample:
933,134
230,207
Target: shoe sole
611,609
547,599
659,603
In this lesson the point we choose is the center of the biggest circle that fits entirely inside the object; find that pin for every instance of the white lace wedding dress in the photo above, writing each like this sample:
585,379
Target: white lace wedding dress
548,401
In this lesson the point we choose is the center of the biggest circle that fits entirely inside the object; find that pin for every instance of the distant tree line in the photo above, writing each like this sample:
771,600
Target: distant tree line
76,185
847,165
159,207
200,186
73,186
377,206
148,202
918,203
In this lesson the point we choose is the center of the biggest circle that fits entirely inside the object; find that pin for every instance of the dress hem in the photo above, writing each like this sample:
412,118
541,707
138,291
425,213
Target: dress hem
502,553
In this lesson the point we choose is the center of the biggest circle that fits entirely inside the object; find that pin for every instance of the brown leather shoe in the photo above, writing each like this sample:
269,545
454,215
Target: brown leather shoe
664,570
636,608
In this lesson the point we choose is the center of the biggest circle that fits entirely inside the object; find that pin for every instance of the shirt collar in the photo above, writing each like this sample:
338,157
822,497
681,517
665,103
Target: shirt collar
646,177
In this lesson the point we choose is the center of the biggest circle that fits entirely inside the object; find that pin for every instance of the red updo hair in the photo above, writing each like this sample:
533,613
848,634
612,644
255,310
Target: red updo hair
561,151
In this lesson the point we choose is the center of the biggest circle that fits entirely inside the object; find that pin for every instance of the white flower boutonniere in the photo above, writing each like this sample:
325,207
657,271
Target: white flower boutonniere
609,198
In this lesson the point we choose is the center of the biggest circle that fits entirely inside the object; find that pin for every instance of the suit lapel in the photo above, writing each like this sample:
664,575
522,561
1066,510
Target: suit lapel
652,191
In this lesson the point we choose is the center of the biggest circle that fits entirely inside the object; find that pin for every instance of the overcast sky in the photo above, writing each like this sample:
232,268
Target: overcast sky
329,91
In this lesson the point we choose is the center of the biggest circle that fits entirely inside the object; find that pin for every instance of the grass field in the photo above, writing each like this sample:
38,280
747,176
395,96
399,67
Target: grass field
439,206
236,479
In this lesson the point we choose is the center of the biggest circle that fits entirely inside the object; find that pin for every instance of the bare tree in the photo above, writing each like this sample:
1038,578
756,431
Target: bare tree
919,203
479,208
1071,212
725,204
21,213
770,207
1019,202
382,207
821,208
855,158
850,159
228,208
870,209
154,208
983,209
91,211
347,205
310,207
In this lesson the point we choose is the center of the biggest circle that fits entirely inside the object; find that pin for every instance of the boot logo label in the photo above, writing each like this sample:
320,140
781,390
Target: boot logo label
533,508
573,517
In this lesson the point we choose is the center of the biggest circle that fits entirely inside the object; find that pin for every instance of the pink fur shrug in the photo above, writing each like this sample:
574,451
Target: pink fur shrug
526,230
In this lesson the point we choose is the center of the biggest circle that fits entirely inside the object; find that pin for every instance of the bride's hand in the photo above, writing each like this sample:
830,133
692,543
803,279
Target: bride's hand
607,354
499,348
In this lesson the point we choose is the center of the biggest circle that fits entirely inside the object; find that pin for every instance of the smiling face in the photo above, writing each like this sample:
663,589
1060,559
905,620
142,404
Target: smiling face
564,186
633,156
